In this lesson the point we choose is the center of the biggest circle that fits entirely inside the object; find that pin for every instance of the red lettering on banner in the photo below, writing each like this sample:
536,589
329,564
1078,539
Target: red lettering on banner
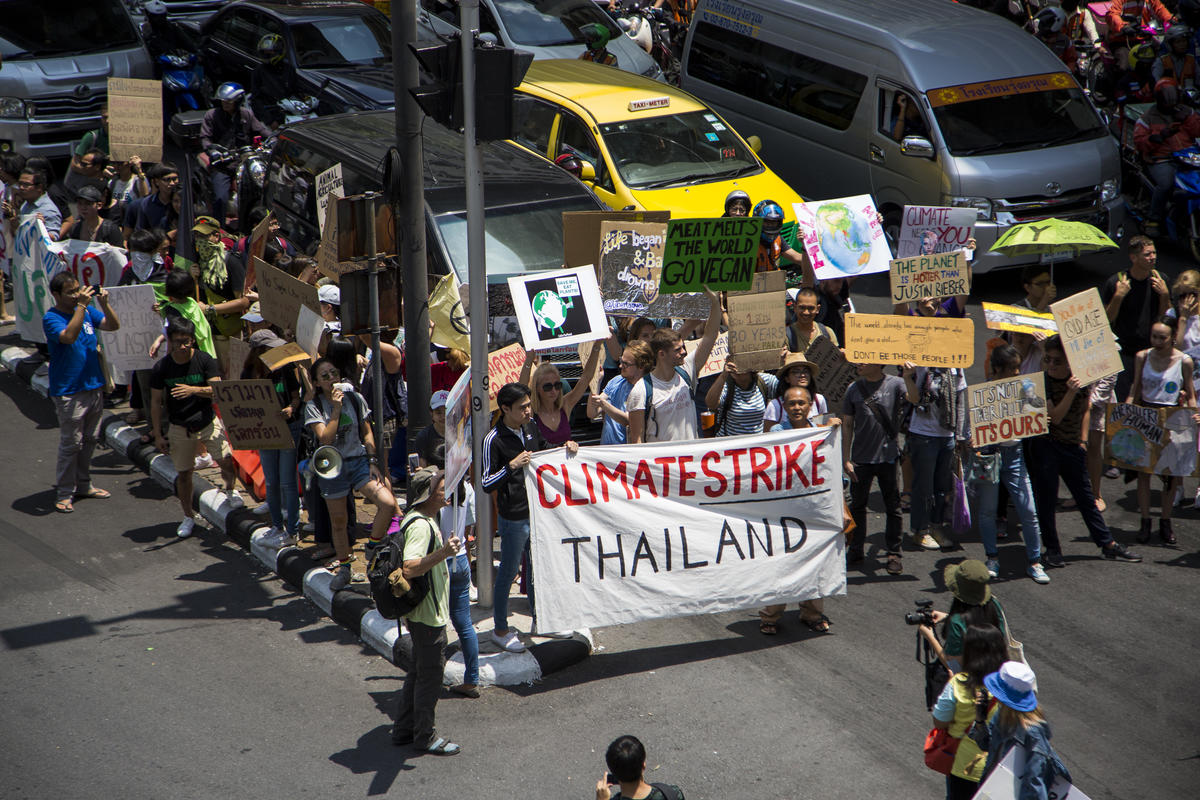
760,463
778,467
793,464
541,486
571,501
817,480
736,454
685,475
722,484
642,477
587,476
666,462
604,474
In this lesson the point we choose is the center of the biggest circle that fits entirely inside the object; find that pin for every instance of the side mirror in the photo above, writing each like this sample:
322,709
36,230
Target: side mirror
755,143
587,173
917,147
489,39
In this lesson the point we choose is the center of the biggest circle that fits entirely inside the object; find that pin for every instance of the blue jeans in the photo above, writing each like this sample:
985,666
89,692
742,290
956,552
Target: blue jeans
514,545
931,460
283,490
1016,478
460,615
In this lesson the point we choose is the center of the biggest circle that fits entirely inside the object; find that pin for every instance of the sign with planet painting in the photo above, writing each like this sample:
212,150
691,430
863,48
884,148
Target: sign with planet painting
631,259
1161,441
558,307
843,237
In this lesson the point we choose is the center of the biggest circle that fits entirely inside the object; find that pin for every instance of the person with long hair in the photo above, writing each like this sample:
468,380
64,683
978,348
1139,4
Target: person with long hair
739,399
551,408
635,361
984,651
973,604
796,371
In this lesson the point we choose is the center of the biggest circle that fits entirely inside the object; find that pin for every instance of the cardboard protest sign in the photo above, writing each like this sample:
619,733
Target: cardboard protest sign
925,341
758,323
1161,441
289,353
1019,319
256,246
582,232
834,372
940,275
309,327
128,348
458,433
585,352
1007,409
843,237
251,415
720,253
1087,337
327,251
235,358
135,119
558,307
716,357
925,230
625,533
504,366
329,186
631,256
280,296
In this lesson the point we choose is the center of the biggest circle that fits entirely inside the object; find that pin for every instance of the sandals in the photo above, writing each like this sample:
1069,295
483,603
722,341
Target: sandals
819,625
768,628
94,494
442,746
64,507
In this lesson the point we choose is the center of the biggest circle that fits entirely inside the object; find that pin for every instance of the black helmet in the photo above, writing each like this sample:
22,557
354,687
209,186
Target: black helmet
270,48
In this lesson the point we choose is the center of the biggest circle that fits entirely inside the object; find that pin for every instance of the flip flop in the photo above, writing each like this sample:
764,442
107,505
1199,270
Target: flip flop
64,507
768,628
819,625
94,494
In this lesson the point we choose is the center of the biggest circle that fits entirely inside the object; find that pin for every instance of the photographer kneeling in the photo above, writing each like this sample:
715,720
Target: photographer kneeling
973,604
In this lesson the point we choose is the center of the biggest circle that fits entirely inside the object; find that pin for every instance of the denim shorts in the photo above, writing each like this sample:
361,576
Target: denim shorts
355,474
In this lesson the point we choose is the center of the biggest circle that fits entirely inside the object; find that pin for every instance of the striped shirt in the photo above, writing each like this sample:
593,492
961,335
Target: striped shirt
746,411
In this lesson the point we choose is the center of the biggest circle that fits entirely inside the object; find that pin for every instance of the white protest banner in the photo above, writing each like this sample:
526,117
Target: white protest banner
1001,317
128,348
309,327
625,533
504,366
251,415
843,237
280,296
925,230
329,183
1087,337
925,341
1004,782
458,432
135,119
1007,409
558,307
940,275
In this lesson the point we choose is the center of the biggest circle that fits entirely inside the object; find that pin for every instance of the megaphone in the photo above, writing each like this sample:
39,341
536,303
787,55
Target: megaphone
327,461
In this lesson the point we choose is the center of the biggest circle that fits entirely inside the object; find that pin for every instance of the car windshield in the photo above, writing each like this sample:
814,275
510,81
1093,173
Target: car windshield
676,149
519,238
34,28
546,23
342,41
1023,120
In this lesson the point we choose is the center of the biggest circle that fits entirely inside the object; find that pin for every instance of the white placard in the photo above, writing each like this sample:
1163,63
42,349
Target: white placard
329,183
626,533
558,307
1004,782
458,432
309,327
843,237
128,348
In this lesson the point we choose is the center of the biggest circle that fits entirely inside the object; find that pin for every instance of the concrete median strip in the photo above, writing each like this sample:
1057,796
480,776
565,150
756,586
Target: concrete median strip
352,607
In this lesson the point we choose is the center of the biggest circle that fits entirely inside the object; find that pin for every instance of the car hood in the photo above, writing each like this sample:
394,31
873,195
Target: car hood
1026,173
371,86
52,75
708,199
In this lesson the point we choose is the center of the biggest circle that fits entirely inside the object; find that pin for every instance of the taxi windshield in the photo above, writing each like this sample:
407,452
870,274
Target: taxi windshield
676,149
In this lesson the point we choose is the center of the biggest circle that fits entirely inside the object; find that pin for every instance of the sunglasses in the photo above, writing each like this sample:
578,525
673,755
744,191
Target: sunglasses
549,387
625,363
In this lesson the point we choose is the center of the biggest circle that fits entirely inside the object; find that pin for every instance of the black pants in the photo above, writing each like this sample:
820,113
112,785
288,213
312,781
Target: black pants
1049,460
860,490
318,515
422,686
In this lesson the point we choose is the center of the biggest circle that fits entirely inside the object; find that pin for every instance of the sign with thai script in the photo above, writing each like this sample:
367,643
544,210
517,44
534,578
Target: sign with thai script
719,253
135,115
1087,337
251,415
966,92
938,275
925,341
1007,409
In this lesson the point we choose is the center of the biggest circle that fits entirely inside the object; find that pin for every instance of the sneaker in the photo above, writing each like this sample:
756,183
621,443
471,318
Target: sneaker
895,565
235,498
261,510
1053,560
203,462
358,577
509,642
1112,472
1144,532
924,541
341,578
185,528
1166,533
1038,574
993,567
1118,552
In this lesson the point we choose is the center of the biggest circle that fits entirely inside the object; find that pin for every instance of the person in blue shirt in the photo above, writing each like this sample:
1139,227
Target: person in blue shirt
636,360
76,382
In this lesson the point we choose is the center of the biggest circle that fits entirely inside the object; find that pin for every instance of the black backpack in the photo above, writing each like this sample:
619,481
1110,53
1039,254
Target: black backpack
388,558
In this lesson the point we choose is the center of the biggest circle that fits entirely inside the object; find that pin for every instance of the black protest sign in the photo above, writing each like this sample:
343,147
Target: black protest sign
834,372
631,256
719,253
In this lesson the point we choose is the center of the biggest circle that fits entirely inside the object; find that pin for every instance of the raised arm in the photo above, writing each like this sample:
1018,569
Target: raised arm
585,381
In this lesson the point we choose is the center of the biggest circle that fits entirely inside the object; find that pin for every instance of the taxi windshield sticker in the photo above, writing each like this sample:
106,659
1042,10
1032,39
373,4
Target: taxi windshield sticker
964,93
649,102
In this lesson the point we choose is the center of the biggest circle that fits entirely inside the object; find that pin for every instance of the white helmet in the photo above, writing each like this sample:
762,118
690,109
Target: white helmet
1049,20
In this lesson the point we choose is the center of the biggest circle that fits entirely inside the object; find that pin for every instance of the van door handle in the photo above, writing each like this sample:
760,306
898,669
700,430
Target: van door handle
876,154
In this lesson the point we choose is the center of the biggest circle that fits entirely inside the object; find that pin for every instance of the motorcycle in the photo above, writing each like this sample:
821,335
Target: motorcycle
184,86
1183,206
298,108
656,33
249,167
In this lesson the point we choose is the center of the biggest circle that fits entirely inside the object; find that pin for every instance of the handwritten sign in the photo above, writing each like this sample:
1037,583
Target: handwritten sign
558,307
940,275
631,256
458,433
289,353
1018,319
235,358
925,230
1161,441
843,237
720,253
251,415
1087,337
280,296
329,185
716,357
758,323
1007,409
504,366
135,119
582,232
925,341
128,348
834,372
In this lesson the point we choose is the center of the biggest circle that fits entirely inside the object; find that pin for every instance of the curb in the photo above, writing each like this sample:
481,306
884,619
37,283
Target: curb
350,608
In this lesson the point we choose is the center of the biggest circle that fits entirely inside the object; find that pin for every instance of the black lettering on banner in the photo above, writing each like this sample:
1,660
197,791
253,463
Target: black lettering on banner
788,547
727,536
618,554
752,536
643,551
683,544
666,541
575,541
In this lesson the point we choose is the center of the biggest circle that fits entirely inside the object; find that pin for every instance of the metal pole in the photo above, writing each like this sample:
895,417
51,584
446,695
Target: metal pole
410,222
477,285
366,216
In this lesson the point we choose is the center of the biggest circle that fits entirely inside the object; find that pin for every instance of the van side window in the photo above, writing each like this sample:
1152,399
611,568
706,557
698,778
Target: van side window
774,75
900,115
574,137
533,119
240,30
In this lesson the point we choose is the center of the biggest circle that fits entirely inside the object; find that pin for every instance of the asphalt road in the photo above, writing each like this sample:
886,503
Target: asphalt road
140,666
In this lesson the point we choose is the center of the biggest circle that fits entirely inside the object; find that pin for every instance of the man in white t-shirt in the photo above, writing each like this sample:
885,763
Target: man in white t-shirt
672,417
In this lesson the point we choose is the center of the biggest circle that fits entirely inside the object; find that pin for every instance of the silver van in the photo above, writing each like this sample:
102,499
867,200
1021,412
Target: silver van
57,58
924,102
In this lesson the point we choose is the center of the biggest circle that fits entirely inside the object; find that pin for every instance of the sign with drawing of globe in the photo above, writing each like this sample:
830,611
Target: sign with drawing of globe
843,237
559,307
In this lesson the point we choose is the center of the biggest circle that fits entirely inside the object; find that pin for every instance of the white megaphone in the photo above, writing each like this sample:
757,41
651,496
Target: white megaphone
327,461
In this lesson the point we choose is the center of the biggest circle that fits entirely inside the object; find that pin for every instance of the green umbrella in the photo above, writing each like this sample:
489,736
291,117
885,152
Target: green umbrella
1048,236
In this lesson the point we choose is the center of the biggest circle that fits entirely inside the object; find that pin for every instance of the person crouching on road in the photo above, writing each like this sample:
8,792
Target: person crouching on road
626,761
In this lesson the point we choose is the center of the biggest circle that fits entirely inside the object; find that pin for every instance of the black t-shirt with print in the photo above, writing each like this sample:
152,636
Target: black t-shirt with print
194,412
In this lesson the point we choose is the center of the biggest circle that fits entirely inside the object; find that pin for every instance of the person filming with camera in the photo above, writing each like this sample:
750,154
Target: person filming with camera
973,604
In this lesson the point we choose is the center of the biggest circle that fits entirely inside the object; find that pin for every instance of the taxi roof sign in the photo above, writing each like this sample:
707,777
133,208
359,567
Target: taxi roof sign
649,102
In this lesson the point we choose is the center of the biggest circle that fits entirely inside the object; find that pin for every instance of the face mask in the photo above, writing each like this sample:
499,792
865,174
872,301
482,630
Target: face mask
143,264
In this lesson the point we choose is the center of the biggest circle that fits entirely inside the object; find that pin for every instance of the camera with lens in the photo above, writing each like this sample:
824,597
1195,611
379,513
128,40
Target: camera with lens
922,616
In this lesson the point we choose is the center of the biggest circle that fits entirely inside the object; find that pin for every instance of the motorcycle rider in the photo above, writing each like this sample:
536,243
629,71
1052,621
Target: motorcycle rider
1177,62
772,247
596,37
160,34
1124,17
1136,84
271,82
1048,27
230,125
737,204
1163,129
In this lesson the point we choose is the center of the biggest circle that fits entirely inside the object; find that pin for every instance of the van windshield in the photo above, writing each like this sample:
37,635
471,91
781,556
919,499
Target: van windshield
676,149
547,23
37,28
1014,114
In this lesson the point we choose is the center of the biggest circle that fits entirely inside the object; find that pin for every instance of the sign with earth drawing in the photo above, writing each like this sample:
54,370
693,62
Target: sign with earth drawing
843,237
558,307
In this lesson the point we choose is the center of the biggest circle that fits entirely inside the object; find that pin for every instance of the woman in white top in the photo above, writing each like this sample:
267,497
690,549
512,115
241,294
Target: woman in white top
1162,378
796,371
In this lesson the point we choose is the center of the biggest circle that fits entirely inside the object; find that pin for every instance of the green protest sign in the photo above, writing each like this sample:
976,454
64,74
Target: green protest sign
720,253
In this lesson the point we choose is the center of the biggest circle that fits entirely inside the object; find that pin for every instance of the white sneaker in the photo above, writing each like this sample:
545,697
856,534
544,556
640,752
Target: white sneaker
235,498
509,642
993,567
925,542
185,528
203,462
273,537
1038,574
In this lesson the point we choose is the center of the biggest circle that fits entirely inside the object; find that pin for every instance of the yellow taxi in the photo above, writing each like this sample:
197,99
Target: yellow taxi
643,145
